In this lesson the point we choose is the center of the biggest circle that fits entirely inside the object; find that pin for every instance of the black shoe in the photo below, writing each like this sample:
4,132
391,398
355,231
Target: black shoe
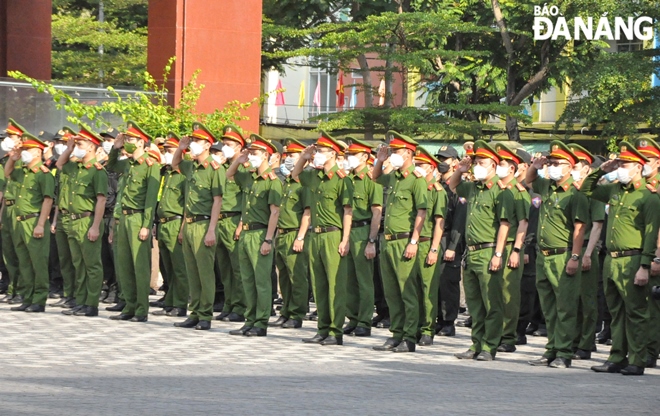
608,342
241,331
6,299
389,345
313,316
60,302
88,311
20,308
466,323
188,323
234,317
70,304
362,332
203,325
582,355
279,322
111,298
447,331
425,341
330,340
54,295
177,312
218,307
385,323
541,362
160,303
316,339
122,317
530,329
116,308
272,312
137,318
256,332
632,370
278,301
651,362
161,312
72,311
292,323
607,367
348,329
377,319
541,332
467,355
35,308
404,346
560,363
16,300
485,356
506,348
521,340
604,335
222,316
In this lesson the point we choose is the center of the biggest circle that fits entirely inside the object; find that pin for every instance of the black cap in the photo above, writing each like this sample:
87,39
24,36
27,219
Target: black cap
46,136
524,155
446,151
217,146
598,160
112,133
278,146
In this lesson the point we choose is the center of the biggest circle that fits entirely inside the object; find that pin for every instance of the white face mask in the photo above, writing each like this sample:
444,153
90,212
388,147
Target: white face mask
611,176
346,165
541,173
289,163
502,171
107,147
480,172
196,149
78,153
122,157
396,160
167,158
353,161
647,170
59,148
228,151
284,170
420,171
255,161
218,158
623,175
7,144
555,173
26,157
577,175
319,160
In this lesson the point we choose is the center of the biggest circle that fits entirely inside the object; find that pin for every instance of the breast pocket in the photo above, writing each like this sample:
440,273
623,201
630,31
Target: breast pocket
360,201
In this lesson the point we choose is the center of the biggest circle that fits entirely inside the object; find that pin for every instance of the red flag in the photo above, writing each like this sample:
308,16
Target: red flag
279,99
341,97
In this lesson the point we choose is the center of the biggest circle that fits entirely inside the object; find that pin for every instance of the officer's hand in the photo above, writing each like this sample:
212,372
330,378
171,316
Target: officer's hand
450,255
179,238
641,277
243,157
53,228
514,260
539,162
209,238
465,164
15,155
343,248
237,233
93,234
370,251
298,246
184,142
526,258
495,264
265,248
154,232
432,258
609,166
383,153
119,141
411,251
70,144
308,153
38,231
111,234
572,267
144,234
655,269
586,263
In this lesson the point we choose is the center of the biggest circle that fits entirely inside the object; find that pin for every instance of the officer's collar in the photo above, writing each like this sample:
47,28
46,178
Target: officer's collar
410,169
204,163
489,183
330,173
87,165
565,184
264,175
362,173
632,186
36,166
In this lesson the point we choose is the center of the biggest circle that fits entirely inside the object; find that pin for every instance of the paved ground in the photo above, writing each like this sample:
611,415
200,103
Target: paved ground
60,365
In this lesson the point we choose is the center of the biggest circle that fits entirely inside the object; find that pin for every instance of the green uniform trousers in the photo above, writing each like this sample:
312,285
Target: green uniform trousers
133,261
33,261
9,255
255,272
484,296
559,294
511,292
654,326
115,231
328,275
628,304
400,289
360,282
228,263
588,305
293,274
87,263
64,254
428,284
199,264
171,256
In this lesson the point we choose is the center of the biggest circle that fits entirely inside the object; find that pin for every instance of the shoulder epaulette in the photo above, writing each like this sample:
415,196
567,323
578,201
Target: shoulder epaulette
651,188
501,184
438,187
215,165
98,166
272,175
419,175
149,161
520,187
44,169
341,173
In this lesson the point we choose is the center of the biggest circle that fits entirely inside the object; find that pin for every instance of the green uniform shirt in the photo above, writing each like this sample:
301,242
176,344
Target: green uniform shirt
633,219
562,206
2,177
11,185
522,202
173,193
205,182
366,194
260,192
437,207
232,197
295,199
84,183
329,194
488,205
141,184
33,185
408,195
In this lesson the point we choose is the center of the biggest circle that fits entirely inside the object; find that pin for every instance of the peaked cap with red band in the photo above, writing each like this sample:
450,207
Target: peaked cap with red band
648,147
87,134
469,148
258,142
559,150
424,156
201,132
372,160
343,146
31,142
134,130
583,154
328,141
232,132
172,140
155,154
66,133
357,146
292,146
628,153
13,128
483,149
400,141
506,153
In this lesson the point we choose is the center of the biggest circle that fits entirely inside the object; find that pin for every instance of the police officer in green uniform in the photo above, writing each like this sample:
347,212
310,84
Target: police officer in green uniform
429,256
87,189
491,209
291,251
562,224
138,205
34,194
330,201
367,213
405,212
518,222
169,217
262,191
632,231
588,305
229,230
205,178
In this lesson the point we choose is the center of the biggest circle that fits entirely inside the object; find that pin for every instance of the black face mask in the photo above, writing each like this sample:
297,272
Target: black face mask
443,167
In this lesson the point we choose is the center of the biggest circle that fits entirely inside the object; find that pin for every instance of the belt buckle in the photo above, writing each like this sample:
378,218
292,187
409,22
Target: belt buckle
472,248
188,220
162,220
73,216
545,252
124,211
317,230
18,218
614,254
246,227
388,237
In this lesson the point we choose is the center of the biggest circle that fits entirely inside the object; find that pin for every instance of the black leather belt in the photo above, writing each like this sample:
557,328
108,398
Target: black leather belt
553,251
321,230
228,215
398,236
356,224
286,230
27,217
168,219
197,218
255,226
481,246
131,211
625,253
81,215
9,203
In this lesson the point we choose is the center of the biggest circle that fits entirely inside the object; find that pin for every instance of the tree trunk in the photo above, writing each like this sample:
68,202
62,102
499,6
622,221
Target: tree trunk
368,93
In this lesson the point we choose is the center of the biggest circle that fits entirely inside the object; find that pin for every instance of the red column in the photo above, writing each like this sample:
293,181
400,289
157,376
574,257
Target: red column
222,38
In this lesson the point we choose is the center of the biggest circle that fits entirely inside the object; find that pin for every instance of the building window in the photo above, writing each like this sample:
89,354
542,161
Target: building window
328,84
625,45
